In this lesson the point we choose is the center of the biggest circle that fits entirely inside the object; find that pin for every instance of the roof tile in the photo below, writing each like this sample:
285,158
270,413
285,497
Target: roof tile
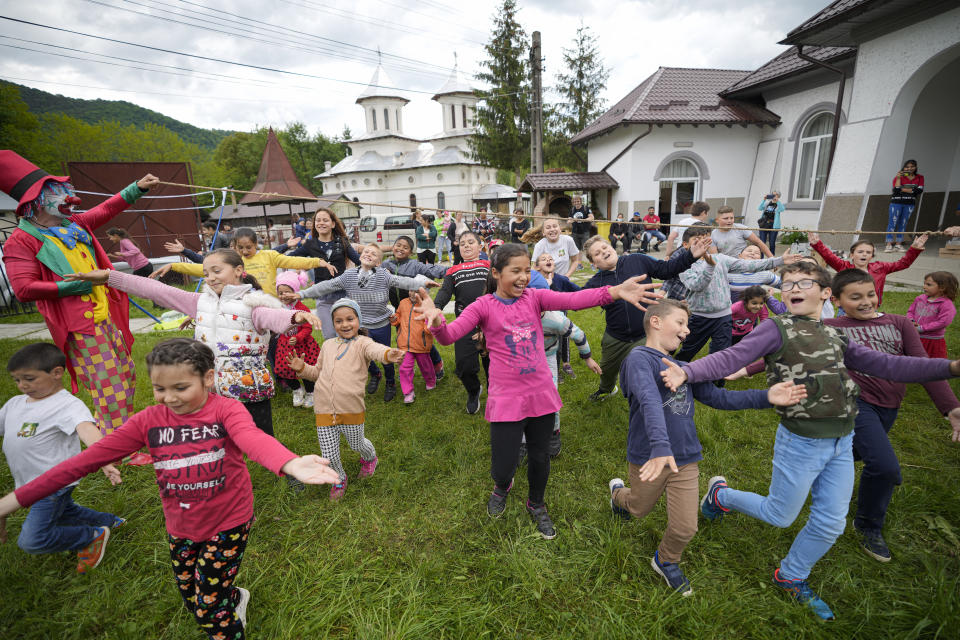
786,64
560,181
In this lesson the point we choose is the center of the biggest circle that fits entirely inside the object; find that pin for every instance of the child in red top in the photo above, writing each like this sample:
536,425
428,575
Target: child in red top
197,440
415,340
862,255
297,340
933,311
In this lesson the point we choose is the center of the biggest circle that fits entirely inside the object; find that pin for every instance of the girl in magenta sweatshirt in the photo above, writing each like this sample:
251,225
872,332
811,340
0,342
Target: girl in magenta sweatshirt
129,252
933,311
197,440
522,399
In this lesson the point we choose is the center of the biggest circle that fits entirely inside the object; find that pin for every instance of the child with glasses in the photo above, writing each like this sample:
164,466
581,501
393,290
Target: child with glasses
813,452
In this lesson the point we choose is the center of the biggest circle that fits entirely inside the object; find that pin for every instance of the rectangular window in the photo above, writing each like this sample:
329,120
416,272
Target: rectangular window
386,118
464,119
453,116
808,153
374,113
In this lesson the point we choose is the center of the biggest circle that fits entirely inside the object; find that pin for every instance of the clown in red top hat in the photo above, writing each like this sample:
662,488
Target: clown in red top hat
90,324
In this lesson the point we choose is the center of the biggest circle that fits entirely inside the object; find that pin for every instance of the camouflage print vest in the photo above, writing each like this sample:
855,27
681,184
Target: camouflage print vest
812,354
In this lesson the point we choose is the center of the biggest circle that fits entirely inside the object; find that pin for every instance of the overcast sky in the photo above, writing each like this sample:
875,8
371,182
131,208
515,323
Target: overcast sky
333,45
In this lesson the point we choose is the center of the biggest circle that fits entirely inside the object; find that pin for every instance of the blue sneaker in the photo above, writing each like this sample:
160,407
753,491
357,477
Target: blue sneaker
803,594
617,510
709,507
118,522
672,574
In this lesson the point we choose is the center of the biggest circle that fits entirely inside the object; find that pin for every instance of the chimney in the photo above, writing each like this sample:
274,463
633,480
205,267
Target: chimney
326,165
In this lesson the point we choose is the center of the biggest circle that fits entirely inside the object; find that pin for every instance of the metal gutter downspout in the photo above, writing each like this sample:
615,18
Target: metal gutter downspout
839,108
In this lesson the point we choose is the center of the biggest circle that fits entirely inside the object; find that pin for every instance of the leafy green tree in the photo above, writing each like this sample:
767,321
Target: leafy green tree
502,116
580,84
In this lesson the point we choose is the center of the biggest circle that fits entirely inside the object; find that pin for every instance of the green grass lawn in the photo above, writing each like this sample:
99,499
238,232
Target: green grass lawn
411,553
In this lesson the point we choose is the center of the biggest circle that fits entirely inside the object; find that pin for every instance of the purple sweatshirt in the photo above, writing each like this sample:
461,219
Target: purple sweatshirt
521,385
894,335
765,339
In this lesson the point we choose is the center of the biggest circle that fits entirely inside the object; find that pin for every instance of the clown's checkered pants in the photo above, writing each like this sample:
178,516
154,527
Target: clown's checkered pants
106,370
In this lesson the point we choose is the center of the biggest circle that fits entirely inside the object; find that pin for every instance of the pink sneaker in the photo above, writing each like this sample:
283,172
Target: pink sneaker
408,398
367,467
431,387
337,490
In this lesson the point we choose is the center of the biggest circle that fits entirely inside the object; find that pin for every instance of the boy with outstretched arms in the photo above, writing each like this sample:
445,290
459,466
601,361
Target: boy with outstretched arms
663,434
813,452
624,328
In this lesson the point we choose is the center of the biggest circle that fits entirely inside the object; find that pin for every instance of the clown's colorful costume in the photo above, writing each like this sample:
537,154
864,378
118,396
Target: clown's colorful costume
90,324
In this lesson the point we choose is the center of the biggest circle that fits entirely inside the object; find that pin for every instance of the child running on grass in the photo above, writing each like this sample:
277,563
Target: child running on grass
663,434
522,398
417,342
369,285
297,340
464,283
933,311
814,442
624,329
42,428
862,254
198,440
879,401
233,317
338,393
261,264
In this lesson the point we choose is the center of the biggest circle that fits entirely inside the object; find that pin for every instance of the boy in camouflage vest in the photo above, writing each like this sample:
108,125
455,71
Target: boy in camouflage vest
813,451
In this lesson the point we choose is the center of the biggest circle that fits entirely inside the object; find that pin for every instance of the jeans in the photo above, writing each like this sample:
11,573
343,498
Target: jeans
653,233
57,523
769,238
383,335
580,238
719,331
443,244
881,469
822,467
897,218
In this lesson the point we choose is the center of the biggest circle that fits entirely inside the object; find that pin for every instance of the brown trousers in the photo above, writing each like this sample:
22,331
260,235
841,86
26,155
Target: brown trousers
682,505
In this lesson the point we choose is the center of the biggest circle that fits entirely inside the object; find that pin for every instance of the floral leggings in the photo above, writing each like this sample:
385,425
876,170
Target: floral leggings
205,570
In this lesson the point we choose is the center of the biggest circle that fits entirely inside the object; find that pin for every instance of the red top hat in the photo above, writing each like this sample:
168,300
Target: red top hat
22,180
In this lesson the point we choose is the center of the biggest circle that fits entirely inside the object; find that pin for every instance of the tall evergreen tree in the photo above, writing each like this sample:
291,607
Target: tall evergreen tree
579,87
503,114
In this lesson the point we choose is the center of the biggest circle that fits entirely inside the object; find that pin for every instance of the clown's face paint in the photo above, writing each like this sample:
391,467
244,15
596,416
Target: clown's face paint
58,199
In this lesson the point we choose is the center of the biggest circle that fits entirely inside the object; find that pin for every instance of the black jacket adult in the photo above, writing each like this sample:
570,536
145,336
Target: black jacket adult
580,213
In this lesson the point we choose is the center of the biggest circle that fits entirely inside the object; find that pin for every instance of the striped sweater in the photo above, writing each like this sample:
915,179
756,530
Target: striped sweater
370,289
709,289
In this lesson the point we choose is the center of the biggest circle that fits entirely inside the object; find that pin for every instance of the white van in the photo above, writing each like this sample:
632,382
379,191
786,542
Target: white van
385,228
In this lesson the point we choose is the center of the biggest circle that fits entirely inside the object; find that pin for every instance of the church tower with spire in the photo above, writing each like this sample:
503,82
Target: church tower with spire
457,101
382,106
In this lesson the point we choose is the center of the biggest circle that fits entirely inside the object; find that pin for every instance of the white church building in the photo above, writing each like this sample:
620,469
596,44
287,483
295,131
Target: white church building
885,87
385,165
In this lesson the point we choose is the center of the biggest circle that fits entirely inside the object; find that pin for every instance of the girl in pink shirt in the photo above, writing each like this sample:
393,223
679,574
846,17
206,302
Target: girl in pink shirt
129,252
933,311
521,399
197,440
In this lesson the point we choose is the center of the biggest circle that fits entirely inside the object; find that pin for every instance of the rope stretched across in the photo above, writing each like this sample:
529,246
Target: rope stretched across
496,214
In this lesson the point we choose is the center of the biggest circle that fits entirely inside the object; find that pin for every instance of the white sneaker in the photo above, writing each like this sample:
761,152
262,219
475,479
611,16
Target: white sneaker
308,401
298,397
241,609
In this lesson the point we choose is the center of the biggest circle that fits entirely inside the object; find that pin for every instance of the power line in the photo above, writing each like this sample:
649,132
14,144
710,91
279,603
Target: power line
431,17
229,62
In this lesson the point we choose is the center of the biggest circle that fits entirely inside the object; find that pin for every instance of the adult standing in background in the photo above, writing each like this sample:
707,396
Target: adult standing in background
484,227
454,231
426,239
582,221
441,222
907,187
769,222
518,226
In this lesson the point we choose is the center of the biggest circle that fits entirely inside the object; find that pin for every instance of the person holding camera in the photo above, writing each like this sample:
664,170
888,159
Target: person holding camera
907,187
769,222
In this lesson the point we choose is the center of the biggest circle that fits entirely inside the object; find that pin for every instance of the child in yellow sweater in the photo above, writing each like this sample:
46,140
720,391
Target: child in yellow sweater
338,395
262,265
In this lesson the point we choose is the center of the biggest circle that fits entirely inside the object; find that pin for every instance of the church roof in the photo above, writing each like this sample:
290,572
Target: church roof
276,176
426,155
850,22
785,65
680,96
381,86
454,84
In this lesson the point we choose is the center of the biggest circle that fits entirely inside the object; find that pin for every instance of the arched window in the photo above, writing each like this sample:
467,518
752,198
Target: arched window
813,154
441,200
679,181
386,118
678,169
413,200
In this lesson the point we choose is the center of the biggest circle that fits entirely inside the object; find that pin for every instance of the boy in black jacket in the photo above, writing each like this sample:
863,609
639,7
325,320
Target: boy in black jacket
624,329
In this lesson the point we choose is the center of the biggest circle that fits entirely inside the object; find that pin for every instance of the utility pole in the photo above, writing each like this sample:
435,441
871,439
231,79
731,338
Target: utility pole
536,109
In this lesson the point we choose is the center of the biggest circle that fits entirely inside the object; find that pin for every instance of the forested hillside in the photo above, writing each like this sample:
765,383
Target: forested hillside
119,111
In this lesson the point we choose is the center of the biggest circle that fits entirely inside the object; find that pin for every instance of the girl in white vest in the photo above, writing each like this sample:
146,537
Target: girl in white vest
234,317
